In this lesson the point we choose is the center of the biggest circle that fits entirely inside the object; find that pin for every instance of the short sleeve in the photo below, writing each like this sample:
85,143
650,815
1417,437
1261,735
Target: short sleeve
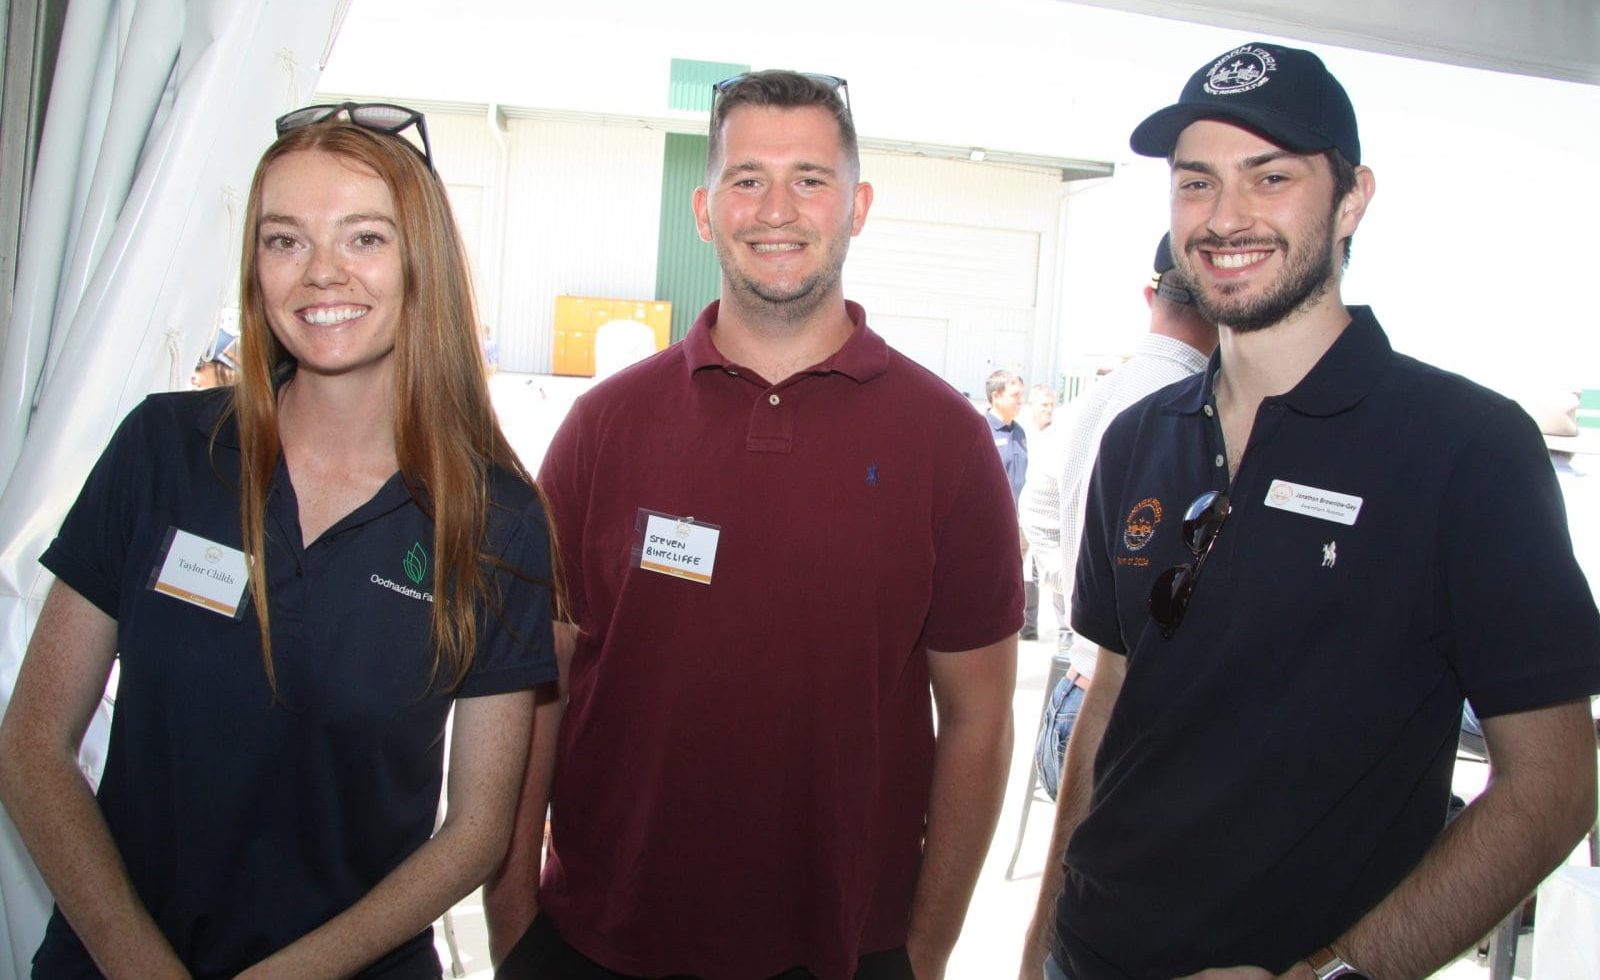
977,576
91,549
1526,632
1094,587
515,645
561,479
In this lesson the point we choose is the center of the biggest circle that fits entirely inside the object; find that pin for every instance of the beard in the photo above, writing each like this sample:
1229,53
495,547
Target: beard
1305,280
791,300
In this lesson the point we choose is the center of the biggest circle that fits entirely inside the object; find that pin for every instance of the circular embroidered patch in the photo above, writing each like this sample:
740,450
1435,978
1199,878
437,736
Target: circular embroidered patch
1240,70
1141,523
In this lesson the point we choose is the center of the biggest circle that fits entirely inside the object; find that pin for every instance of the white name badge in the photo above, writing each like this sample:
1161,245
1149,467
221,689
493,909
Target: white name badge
205,573
678,546
1326,505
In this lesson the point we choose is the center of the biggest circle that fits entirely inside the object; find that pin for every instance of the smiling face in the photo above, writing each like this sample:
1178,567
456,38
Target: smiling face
781,208
1042,408
329,263
1257,225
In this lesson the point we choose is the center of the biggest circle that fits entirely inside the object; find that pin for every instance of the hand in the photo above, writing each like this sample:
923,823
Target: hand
509,913
267,970
926,963
286,964
1035,947
1231,973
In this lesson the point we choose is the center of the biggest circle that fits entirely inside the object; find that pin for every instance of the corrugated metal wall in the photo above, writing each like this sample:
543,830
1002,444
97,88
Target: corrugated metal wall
956,265
466,155
690,83
557,208
686,267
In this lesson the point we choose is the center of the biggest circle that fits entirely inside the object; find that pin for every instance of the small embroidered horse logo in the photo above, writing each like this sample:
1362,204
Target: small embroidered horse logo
1330,554
872,474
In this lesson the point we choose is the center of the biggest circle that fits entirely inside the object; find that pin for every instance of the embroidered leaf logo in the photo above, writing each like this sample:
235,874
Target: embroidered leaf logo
416,563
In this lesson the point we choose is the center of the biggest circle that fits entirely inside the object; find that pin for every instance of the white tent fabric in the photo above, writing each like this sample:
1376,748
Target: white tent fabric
158,112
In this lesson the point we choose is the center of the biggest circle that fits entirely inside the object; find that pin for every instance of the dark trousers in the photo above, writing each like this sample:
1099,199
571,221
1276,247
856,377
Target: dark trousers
541,954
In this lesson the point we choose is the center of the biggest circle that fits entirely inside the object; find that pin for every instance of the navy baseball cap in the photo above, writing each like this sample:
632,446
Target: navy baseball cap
1285,94
1163,283
1164,261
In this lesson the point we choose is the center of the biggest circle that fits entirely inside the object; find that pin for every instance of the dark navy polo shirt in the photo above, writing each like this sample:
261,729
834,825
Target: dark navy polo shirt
1276,766
1011,442
245,822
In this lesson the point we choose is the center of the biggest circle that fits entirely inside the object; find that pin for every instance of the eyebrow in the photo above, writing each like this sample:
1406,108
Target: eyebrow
753,166
349,219
1248,163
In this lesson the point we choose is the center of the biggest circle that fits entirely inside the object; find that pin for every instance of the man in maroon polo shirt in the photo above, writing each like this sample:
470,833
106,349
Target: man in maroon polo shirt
776,535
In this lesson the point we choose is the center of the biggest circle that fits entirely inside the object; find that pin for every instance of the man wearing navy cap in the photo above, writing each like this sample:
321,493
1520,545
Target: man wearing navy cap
1296,565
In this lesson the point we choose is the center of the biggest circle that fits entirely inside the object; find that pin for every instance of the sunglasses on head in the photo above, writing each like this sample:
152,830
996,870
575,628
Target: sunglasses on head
833,82
1202,522
379,117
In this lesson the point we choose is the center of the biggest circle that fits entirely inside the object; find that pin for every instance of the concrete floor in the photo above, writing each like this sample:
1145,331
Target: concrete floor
532,406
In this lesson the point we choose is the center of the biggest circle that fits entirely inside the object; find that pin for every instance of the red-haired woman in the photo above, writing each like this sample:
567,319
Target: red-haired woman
302,574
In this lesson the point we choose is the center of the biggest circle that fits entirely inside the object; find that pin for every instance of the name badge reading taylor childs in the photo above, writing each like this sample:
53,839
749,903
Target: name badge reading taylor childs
205,573
678,546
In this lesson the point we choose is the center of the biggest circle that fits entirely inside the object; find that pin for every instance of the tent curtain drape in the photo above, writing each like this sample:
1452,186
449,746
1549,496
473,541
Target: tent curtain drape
158,111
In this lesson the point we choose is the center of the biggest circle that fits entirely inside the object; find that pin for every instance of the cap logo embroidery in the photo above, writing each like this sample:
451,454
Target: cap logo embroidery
1240,70
1141,523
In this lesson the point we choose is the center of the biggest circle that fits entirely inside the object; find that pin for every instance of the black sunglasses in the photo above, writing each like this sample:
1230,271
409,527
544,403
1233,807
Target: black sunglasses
380,117
1202,522
833,82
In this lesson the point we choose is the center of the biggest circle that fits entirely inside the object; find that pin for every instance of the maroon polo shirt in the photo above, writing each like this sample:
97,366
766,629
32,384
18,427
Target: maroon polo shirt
743,774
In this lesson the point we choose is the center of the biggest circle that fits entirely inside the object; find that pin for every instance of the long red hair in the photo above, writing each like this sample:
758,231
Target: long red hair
446,436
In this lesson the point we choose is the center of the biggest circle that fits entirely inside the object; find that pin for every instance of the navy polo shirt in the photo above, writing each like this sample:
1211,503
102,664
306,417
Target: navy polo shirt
246,821
1275,767
1011,442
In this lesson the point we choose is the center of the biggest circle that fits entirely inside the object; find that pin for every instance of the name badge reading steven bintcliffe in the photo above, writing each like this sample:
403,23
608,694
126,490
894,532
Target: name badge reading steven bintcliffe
678,546
205,573
1326,505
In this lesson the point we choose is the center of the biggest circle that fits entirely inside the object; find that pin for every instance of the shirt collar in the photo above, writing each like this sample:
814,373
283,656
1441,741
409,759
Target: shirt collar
220,399
863,357
215,402
1338,381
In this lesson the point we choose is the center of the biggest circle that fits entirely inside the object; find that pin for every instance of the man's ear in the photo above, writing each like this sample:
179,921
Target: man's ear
863,204
702,213
1354,205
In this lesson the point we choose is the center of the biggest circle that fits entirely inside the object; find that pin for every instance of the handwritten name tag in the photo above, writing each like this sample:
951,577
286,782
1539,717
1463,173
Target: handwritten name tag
679,546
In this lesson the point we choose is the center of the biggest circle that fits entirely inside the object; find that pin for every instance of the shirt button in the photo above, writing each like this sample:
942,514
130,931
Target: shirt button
1210,413
774,400
732,373
1220,460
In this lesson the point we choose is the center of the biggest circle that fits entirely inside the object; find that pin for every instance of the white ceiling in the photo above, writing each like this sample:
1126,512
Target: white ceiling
1545,38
